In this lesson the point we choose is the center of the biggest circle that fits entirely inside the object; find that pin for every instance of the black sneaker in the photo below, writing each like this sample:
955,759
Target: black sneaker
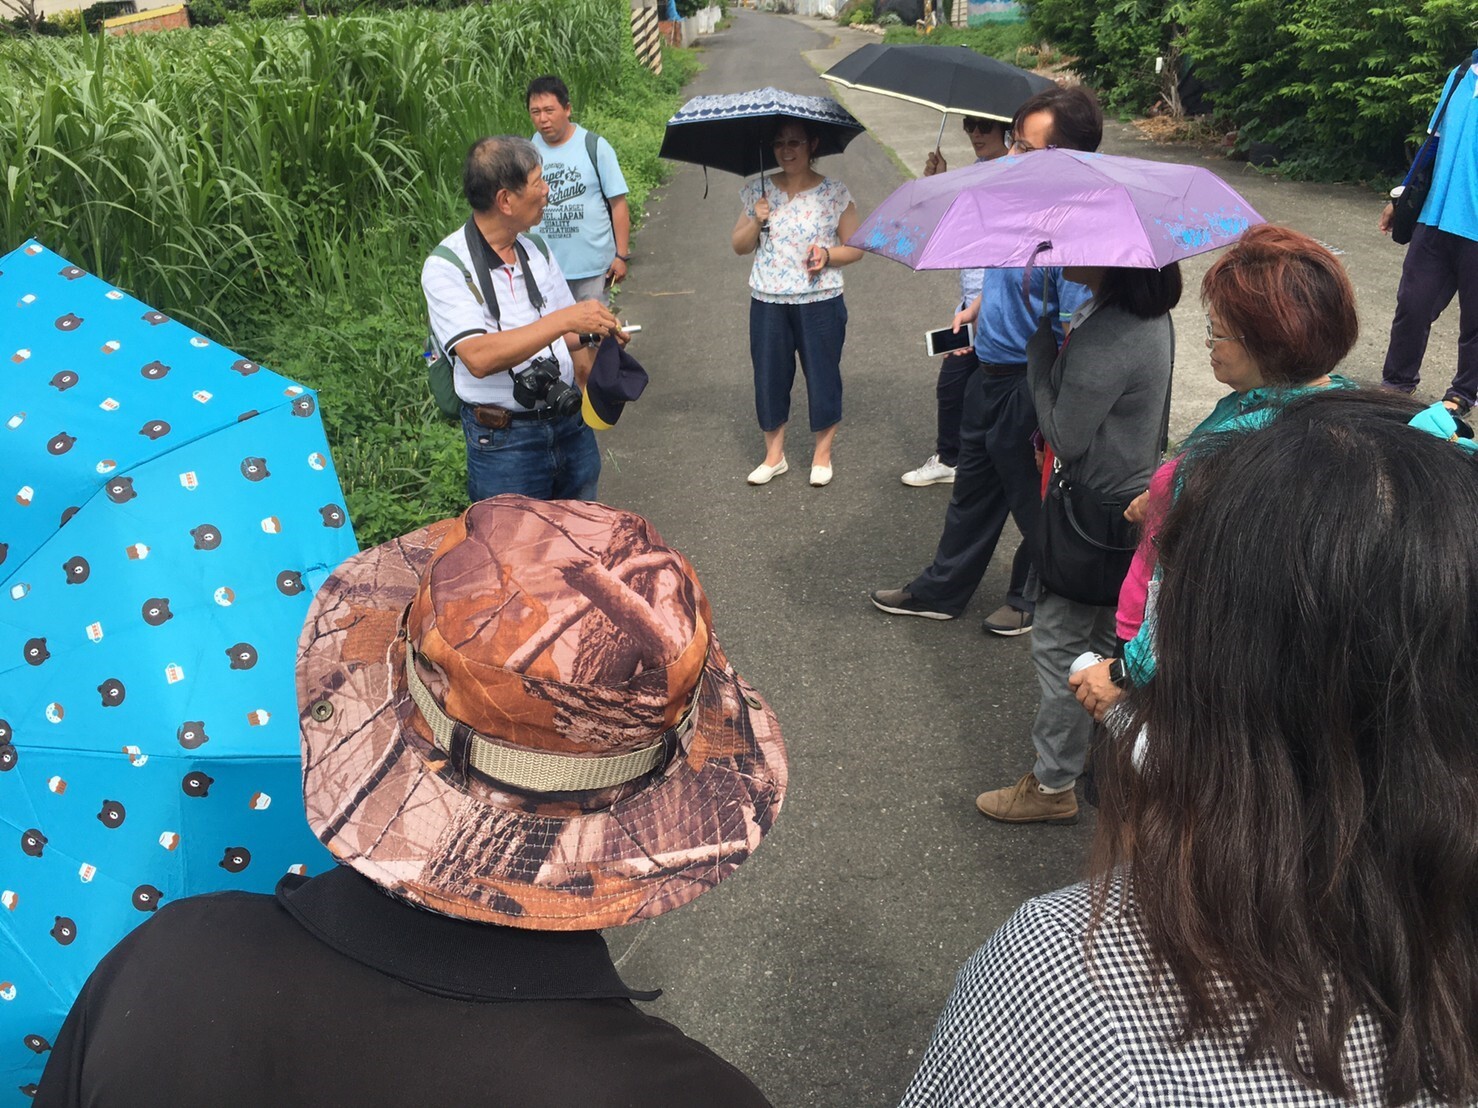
1007,621
900,602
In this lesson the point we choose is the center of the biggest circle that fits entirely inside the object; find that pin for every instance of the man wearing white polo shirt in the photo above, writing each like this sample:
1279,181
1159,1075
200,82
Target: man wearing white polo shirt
501,309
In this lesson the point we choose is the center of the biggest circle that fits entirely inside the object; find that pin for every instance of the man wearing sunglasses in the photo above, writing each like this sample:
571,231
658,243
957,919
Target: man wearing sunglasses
988,137
997,474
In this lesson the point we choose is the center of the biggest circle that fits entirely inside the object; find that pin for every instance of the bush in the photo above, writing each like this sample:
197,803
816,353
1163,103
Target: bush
1340,87
1114,44
272,9
854,11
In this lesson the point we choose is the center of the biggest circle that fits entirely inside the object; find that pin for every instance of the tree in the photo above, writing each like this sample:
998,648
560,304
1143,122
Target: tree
24,12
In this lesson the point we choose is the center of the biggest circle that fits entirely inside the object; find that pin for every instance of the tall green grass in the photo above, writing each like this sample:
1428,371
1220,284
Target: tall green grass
205,169
279,183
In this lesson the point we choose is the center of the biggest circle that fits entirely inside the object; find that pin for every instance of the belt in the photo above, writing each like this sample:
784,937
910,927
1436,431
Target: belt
995,369
538,413
494,417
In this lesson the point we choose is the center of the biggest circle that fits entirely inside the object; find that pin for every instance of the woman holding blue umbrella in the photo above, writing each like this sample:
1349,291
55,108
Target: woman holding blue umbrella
795,224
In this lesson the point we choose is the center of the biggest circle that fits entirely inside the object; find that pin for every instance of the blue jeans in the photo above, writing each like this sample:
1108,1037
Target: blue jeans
777,333
553,459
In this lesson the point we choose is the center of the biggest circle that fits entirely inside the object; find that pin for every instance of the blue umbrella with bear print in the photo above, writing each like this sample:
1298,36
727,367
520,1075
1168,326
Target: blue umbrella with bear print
167,510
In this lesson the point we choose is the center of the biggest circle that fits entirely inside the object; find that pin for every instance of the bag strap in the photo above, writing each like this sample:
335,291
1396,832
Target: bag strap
1431,140
486,261
592,149
538,240
1462,71
1066,490
447,254
1169,388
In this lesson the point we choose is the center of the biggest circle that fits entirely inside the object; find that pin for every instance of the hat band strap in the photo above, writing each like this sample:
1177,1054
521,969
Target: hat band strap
536,770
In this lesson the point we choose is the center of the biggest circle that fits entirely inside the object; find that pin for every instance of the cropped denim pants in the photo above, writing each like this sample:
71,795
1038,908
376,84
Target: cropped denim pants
780,332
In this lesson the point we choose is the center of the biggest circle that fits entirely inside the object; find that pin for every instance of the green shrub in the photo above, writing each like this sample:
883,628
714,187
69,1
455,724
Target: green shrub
1114,43
272,9
1340,87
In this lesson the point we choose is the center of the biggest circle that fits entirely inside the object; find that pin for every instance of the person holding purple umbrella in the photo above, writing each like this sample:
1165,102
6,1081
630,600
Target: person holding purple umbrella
997,471
795,223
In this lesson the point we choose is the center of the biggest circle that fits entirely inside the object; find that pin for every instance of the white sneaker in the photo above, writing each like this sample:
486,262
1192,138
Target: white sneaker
932,472
762,474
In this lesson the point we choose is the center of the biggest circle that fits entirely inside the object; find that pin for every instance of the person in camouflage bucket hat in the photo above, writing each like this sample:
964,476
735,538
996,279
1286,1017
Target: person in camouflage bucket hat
518,727
522,716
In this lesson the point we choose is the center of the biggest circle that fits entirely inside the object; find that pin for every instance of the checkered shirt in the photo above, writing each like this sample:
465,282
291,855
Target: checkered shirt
1029,1023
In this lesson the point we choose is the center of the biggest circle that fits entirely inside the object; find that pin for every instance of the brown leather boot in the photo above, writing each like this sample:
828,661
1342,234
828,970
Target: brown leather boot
1025,802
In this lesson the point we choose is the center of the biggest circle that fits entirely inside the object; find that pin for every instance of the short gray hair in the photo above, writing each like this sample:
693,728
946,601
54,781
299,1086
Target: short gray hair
496,163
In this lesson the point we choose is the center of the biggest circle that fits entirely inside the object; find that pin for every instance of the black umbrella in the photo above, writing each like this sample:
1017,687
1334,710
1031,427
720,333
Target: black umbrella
949,78
732,132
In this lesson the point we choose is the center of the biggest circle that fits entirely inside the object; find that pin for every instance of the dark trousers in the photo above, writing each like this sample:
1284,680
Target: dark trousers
996,476
777,334
949,393
1438,265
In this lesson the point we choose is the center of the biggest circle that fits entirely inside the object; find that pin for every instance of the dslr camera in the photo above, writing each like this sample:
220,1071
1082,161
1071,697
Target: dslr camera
539,382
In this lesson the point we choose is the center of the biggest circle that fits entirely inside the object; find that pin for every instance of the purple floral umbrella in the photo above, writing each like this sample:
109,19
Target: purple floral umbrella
1057,207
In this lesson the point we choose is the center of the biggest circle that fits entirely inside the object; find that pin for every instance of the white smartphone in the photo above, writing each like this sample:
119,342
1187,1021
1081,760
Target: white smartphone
631,328
945,340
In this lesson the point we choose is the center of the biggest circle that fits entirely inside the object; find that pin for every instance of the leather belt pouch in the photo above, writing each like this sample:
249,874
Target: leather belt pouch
492,416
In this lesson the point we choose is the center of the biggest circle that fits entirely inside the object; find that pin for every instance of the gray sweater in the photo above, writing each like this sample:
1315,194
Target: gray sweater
1101,401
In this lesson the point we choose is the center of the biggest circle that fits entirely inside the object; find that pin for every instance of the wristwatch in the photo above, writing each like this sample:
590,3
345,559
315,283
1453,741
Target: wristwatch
1116,673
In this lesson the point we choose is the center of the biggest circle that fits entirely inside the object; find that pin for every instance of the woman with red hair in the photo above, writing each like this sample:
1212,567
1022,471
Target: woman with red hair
1280,315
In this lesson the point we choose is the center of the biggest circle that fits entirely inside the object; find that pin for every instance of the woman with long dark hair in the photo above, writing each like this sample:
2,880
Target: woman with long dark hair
1283,906
1101,403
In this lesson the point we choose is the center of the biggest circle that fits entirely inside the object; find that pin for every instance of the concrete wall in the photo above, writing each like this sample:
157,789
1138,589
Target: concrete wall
175,18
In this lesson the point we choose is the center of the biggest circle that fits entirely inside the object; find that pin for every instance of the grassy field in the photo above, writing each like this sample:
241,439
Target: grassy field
277,184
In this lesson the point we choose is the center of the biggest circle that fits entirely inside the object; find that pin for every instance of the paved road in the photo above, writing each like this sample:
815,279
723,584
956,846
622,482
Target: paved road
821,966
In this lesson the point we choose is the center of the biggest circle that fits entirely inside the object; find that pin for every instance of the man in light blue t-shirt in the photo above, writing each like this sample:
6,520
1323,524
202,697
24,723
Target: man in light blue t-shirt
1442,259
587,223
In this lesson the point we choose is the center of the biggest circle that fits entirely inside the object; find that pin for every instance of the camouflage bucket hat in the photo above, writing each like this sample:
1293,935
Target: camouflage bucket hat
522,716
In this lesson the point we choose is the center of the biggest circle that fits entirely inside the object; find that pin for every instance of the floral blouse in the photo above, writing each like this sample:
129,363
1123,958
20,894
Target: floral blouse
779,275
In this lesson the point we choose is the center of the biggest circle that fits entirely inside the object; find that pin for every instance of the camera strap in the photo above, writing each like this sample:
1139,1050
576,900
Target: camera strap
485,261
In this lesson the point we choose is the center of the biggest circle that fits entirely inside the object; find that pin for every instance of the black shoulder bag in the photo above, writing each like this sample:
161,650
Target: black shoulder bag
1408,206
1085,545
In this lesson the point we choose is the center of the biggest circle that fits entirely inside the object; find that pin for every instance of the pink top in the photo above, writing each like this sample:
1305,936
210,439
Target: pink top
1135,590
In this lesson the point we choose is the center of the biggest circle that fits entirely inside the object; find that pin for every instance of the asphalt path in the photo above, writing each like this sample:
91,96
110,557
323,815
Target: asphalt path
820,967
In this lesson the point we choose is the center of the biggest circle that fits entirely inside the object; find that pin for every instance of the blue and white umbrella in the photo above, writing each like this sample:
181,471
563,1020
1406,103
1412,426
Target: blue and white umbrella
168,510
732,132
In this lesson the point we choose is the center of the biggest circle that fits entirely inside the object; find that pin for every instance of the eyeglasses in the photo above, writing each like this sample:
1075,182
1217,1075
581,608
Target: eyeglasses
788,144
1212,338
1021,146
